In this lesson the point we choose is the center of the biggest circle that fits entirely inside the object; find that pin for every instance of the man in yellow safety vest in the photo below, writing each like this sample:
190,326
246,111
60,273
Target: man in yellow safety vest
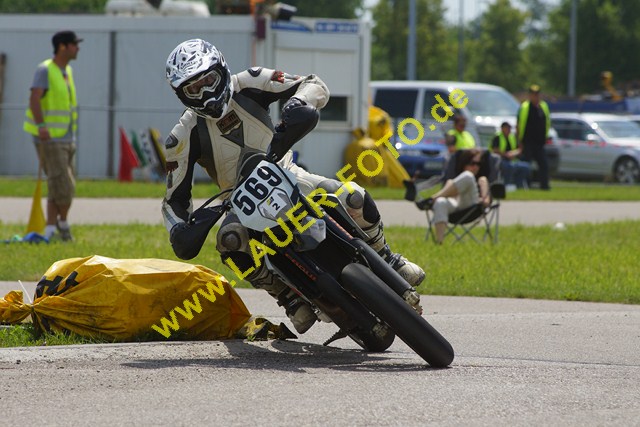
458,138
533,126
513,170
52,120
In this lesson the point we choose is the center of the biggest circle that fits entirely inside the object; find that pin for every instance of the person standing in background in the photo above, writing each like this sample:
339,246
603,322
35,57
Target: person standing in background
532,129
52,119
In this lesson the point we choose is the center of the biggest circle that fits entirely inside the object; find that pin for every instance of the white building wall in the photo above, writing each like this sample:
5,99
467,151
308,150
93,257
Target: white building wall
119,75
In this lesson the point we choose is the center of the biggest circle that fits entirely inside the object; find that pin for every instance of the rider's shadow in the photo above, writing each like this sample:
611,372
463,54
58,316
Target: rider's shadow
287,356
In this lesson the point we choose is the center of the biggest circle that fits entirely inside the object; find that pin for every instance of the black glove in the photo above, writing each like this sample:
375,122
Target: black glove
177,230
298,119
181,242
187,238
286,108
206,216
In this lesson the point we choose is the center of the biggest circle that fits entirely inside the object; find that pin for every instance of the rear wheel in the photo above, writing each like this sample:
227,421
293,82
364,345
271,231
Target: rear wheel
627,171
412,328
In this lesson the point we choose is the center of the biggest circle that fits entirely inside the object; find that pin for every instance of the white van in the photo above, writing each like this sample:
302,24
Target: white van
486,108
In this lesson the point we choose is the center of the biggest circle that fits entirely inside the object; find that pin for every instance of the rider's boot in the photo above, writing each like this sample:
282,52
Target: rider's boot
297,309
409,271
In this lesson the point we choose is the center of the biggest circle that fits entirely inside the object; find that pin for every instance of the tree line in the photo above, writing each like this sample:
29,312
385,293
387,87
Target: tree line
514,46
508,45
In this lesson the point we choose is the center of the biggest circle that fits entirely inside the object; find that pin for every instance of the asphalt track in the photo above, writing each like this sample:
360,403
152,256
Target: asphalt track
518,363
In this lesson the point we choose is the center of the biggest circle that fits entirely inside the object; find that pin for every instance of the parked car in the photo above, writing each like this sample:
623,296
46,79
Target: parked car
634,117
600,146
424,159
487,107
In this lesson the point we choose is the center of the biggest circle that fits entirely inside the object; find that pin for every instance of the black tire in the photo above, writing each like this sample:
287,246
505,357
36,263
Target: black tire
412,328
626,171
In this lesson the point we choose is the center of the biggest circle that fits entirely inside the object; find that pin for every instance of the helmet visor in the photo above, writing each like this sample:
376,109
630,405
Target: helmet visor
207,82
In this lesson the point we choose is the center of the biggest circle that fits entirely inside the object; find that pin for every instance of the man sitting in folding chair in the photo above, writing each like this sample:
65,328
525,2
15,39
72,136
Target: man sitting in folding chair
470,196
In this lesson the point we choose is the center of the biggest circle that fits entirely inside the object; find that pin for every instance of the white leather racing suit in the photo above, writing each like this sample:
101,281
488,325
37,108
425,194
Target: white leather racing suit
220,145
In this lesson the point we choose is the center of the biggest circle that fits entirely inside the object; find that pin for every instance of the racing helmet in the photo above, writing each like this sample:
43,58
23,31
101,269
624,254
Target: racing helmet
198,73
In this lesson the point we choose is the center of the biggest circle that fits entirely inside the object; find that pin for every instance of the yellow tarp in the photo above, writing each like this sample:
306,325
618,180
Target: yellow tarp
124,299
392,173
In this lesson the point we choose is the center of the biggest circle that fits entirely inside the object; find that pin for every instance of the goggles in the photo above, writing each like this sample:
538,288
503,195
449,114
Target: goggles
207,82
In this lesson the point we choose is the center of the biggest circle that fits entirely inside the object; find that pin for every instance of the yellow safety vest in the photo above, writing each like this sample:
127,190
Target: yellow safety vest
503,142
59,105
464,140
523,115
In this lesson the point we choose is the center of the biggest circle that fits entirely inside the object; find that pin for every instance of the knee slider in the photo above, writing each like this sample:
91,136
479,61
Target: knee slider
355,200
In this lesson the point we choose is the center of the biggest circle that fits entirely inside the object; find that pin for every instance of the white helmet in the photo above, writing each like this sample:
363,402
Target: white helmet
198,73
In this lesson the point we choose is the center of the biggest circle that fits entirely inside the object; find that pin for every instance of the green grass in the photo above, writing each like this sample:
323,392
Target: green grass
561,190
586,262
25,335
24,187
28,262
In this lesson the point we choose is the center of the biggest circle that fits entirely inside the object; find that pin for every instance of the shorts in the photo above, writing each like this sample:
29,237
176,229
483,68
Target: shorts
57,160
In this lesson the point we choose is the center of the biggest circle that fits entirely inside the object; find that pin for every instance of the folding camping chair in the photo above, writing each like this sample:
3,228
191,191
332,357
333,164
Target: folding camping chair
461,223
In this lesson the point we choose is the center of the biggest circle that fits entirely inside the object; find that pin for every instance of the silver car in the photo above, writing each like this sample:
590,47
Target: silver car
601,146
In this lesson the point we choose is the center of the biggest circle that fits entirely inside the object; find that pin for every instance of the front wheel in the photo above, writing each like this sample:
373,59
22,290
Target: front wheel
412,328
627,171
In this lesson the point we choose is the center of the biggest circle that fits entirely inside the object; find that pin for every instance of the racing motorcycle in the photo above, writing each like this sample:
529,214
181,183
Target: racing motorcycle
314,246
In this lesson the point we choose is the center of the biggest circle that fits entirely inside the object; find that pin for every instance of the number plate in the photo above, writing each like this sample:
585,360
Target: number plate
264,196
432,165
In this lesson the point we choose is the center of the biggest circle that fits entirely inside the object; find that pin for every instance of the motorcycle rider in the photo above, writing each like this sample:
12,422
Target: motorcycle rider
227,118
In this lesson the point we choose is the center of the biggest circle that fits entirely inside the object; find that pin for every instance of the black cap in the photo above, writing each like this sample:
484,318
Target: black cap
65,37
505,124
